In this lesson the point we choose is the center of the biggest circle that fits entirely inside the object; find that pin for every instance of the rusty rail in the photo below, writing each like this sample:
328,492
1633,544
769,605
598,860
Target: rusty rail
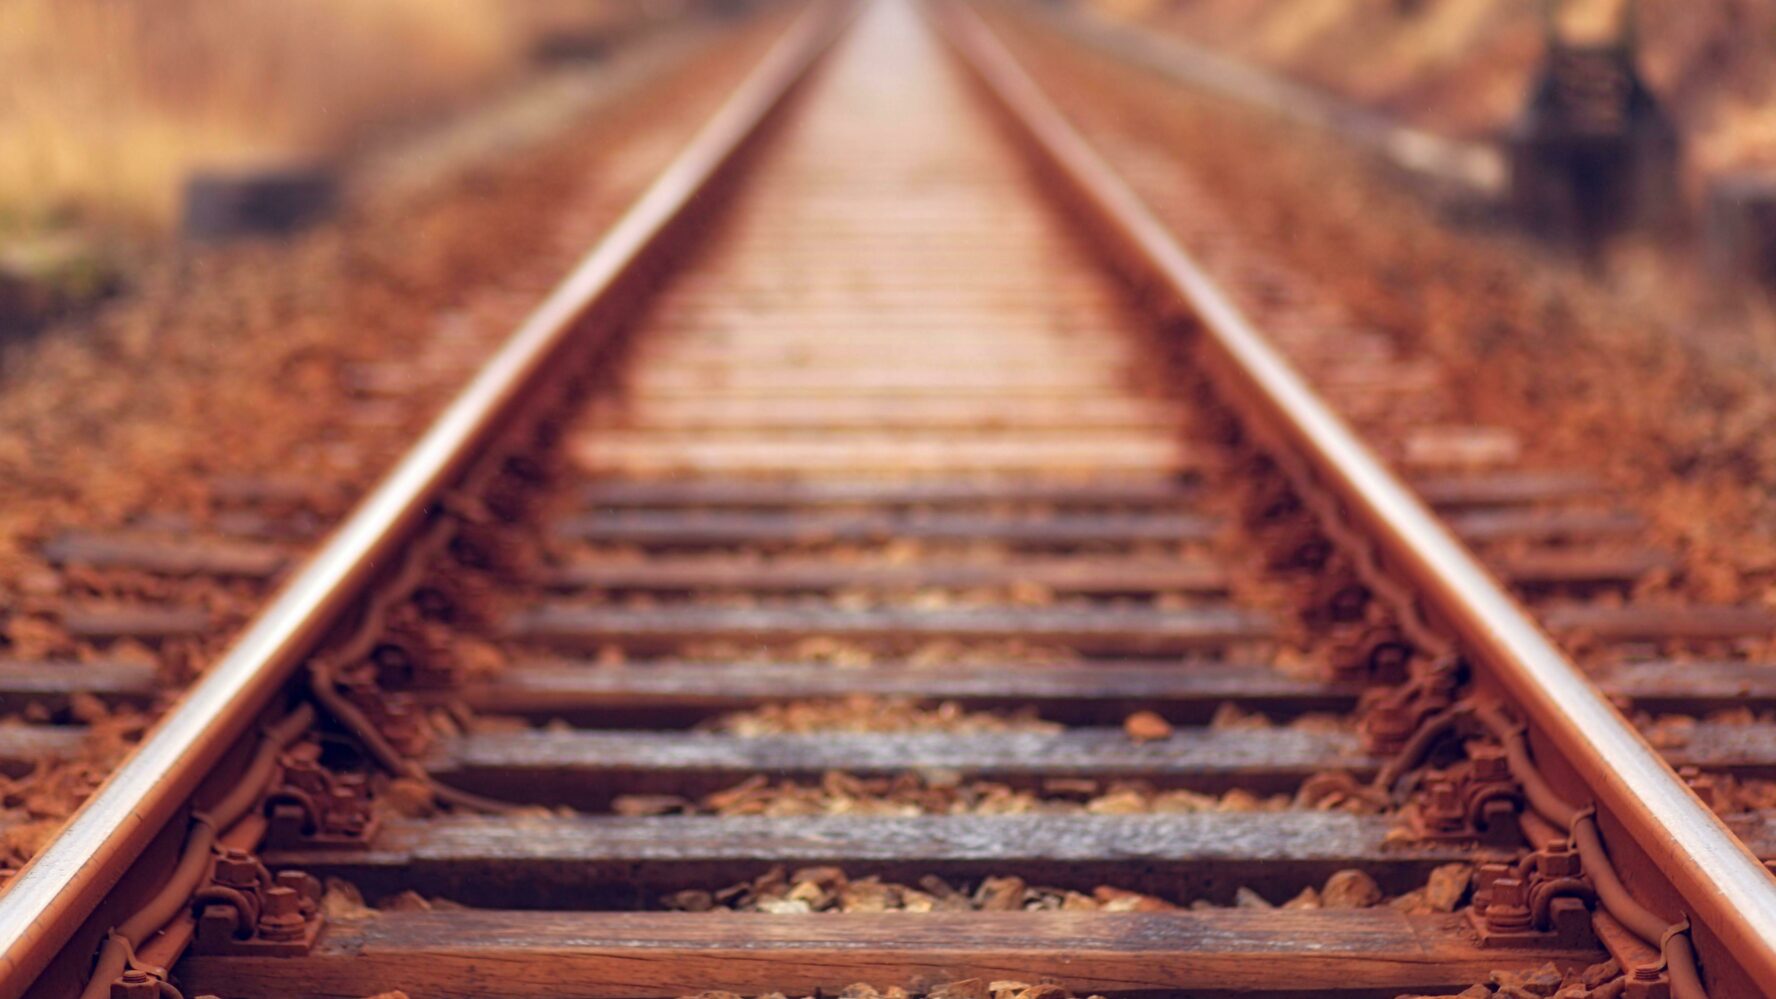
1722,885
52,896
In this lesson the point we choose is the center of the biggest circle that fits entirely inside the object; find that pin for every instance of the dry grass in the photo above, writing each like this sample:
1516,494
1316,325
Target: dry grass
105,105
1464,65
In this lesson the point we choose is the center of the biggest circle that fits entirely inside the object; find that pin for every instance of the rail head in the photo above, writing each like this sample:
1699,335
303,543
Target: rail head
1723,886
47,901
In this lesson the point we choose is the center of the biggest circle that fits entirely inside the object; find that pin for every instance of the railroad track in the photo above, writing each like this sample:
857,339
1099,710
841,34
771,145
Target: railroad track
888,559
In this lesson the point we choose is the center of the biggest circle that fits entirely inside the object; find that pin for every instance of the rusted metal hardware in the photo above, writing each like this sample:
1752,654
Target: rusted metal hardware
414,652
1348,587
1379,653
461,599
246,910
196,871
511,493
1727,890
350,680
1337,597
46,903
1391,718
486,547
138,984
1547,896
1373,639
1541,900
394,716
1475,799
1677,972
311,806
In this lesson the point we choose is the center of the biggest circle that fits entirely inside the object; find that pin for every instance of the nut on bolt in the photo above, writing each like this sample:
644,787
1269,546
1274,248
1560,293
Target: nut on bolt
135,984
236,869
1648,981
1489,762
1507,907
282,917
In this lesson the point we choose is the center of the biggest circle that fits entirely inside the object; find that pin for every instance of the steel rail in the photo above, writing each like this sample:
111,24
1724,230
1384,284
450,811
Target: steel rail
1722,884
47,902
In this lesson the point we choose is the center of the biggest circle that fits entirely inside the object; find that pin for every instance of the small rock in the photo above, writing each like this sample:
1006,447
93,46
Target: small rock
967,988
1412,903
866,895
1119,900
1597,974
825,877
1183,801
640,805
407,901
917,901
1145,726
1447,886
1541,982
1070,786
341,902
1241,800
408,798
87,709
1120,802
1309,898
1229,716
937,887
810,892
1075,902
689,900
1350,889
1246,898
1000,895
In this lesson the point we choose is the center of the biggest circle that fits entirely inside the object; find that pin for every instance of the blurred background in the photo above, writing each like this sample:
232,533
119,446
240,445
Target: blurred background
128,124
107,106
117,115
1466,66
